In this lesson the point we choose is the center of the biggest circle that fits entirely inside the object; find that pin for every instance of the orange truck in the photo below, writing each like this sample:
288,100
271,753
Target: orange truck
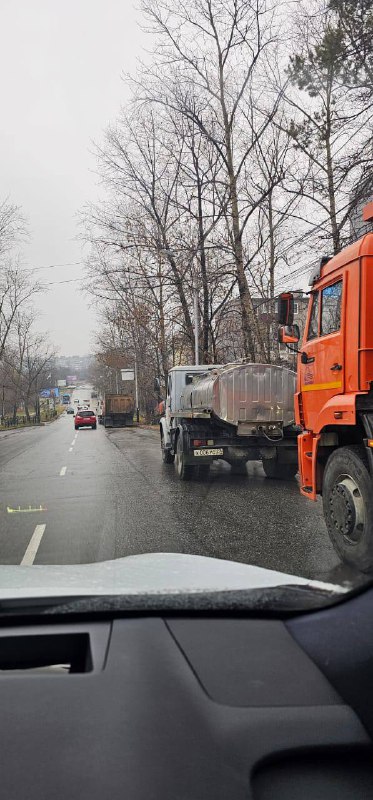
334,397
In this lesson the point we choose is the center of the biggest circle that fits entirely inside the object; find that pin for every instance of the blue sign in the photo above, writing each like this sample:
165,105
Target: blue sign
50,392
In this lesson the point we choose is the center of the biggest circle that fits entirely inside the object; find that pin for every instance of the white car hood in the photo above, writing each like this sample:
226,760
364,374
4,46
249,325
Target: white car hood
151,573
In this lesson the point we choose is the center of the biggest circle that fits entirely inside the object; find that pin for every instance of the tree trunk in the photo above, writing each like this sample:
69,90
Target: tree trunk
189,330
204,279
253,343
272,265
330,174
162,335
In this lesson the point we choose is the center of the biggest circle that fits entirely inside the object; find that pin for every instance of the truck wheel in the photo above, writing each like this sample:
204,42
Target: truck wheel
274,469
185,471
167,456
348,506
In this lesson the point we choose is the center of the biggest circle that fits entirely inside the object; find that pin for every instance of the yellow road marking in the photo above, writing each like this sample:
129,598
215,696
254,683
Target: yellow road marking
28,510
313,387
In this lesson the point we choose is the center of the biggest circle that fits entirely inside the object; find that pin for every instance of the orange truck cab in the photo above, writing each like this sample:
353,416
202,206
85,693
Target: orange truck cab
334,397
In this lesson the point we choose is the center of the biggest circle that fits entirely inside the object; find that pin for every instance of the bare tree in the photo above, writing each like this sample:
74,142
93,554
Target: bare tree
39,358
140,171
26,362
208,62
16,291
12,226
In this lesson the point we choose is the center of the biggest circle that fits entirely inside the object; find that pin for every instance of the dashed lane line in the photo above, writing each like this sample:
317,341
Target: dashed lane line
70,449
32,549
63,471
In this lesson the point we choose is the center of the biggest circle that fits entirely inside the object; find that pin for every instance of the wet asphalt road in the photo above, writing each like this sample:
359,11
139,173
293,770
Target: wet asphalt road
106,494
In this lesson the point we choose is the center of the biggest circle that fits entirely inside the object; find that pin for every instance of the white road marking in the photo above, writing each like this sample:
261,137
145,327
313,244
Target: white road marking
70,449
72,443
63,471
33,546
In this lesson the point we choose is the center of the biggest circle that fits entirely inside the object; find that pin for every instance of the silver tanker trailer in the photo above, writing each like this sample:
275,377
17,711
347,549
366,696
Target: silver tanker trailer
238,413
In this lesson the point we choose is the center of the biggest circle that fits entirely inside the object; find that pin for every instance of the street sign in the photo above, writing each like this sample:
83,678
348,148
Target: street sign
128,374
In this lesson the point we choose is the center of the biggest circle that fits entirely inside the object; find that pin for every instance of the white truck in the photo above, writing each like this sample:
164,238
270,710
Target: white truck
238,413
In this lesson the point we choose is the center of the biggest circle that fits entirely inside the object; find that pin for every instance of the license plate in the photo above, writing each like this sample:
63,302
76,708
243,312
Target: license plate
212,451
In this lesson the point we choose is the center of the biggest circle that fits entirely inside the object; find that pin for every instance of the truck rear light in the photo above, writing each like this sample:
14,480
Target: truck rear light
370,442
198,442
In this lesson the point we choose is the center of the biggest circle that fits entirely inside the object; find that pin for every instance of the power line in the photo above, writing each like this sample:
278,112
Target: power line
55,266
56,283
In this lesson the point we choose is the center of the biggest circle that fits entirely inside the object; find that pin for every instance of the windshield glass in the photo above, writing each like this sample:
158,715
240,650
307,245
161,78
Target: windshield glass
169,168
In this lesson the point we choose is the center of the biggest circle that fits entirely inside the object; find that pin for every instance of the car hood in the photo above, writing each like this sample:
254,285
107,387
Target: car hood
148,574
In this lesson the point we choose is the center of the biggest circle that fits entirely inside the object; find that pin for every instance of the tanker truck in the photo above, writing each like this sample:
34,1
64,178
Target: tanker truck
236,413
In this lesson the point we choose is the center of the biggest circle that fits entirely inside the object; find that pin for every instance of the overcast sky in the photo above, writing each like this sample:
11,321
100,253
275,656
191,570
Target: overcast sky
61,66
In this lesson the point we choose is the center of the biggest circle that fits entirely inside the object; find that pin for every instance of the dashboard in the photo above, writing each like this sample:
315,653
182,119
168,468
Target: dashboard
188,707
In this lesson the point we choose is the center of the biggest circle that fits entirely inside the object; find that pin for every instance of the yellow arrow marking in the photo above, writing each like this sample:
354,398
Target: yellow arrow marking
28,510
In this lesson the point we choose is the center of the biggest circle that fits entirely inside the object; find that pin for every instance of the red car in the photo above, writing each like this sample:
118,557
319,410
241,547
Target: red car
85,419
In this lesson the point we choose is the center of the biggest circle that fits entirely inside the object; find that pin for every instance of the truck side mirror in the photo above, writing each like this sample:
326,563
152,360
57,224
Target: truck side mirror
157,385
289,334
285,309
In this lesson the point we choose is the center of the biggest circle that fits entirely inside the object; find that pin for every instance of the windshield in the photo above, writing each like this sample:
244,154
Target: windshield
168,170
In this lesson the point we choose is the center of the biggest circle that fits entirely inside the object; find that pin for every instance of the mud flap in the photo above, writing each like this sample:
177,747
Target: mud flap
307,457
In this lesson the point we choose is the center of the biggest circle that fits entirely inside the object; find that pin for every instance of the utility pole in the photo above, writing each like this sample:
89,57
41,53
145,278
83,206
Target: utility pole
196,320
136,393
37,401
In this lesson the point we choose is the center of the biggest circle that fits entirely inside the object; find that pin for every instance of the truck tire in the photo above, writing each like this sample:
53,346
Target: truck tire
348,506
167,456
184,471
274,469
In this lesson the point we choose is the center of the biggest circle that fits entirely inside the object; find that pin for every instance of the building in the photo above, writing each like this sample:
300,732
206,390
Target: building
228,333
72,365
357,225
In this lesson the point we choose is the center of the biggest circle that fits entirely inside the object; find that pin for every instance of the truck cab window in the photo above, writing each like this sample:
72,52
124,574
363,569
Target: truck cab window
189,377
313,328
331,303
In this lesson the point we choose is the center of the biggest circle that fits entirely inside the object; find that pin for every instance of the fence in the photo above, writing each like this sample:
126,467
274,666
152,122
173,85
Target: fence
14,422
